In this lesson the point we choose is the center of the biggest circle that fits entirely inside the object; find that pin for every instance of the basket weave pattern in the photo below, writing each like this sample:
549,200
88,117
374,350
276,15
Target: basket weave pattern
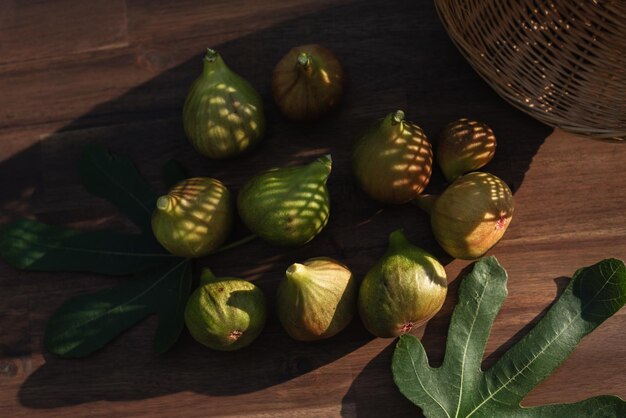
561,61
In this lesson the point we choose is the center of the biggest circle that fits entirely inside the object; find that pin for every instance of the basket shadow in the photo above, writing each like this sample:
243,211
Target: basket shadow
392,62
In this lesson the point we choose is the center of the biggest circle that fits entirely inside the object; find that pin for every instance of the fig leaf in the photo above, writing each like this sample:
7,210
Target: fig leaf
459,388
30,245
116,179
85,323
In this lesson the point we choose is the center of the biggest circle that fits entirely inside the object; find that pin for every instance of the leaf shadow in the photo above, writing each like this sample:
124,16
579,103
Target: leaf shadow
432,83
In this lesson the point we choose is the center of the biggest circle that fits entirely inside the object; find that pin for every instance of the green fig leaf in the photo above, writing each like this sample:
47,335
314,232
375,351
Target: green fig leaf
30,245
86,323
173,172
459,388
116,179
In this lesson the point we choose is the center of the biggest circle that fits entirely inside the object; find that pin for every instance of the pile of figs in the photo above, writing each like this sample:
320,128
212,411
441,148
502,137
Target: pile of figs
392,162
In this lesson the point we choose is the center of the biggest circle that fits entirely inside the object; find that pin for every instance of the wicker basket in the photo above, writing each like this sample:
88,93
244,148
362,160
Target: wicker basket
561,61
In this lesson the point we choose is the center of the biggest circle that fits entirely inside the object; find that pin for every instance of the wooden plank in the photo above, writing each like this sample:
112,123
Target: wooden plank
157,22
98,75
32,30
569,209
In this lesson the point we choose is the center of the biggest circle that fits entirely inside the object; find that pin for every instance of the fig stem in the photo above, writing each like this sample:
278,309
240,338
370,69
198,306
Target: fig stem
321,167
234,244
397,239
211,55
305,63
212,62
295,271
165,202
425,202
304,59
207,276
327,160
398,117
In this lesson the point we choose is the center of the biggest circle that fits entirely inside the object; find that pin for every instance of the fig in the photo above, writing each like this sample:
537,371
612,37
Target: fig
287,206
465,145
225,313
223,114
194,218
308,83
471,215
316,299
405,288
393,161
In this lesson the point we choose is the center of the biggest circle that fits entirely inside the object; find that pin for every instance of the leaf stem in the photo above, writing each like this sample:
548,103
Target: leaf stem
235,244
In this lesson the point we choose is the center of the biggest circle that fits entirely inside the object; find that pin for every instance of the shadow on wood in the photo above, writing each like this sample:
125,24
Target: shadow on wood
399,57
373,392
561,283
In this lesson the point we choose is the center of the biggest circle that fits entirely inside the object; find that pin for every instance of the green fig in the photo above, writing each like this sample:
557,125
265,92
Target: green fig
403,290
194,218
465,145
316,299
393,161
471,215
287,206
223,114
225,314
308,82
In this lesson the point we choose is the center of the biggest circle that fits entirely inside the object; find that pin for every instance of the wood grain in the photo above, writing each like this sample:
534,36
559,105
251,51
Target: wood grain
118,75
34,30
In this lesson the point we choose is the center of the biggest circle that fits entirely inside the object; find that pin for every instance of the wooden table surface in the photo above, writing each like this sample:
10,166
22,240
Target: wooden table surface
116,72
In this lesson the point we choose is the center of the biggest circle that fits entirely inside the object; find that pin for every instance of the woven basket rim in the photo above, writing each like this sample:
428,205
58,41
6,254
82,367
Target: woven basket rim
554,106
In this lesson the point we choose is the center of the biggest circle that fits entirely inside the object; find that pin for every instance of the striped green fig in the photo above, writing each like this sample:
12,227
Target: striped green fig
223,114
194,218
287,206
316,299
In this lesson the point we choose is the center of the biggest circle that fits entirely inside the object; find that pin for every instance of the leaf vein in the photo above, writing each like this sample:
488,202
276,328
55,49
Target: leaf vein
149,288
469,337
422,385
545,347
128,192
92,251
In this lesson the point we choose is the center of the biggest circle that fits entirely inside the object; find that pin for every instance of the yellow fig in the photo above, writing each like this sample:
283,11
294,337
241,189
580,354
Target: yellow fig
316,299
194,218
